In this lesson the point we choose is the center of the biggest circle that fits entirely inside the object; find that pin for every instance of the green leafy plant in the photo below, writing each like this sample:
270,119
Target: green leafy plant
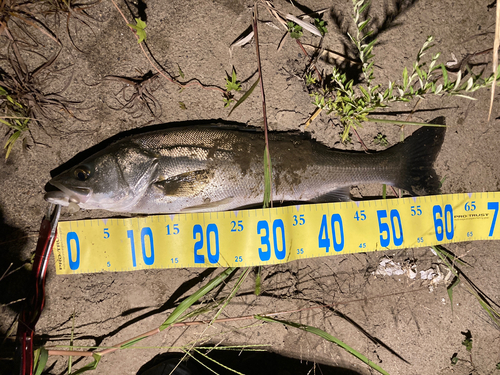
380,139
310,79
294,30
353,104
139,28
232,84
321,26
227,101
467,340
22,98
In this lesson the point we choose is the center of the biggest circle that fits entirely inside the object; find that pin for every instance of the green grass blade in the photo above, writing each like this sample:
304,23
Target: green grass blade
267,178
444,258
328,337
41,357
199,311
184,305
492,313
245,96
452,258
90,366
133,342
258,286
397,122
233,292
10,143
200,362
212,360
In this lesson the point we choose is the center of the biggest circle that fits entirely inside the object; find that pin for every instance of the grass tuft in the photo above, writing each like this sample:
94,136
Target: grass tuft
328,337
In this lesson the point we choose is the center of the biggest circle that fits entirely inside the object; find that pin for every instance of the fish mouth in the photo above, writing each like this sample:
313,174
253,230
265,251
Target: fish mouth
64,195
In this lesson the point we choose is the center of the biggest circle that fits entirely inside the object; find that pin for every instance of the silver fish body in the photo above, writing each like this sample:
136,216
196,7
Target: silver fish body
216,167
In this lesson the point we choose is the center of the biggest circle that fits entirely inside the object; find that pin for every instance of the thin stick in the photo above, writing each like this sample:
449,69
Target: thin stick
313,64
360,140
20,118
313,116
264,113
118,346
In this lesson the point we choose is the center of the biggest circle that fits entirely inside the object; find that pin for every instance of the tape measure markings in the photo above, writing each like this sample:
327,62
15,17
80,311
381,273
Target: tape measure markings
271,236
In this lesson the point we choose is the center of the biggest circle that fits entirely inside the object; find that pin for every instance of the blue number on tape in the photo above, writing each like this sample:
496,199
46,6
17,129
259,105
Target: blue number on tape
175,229
237,226
198,258
443,227
416,211
72,236
148,260
385,230
337,219
398,240
360,215
280,254
211,229
130,235
265,254
298,220
470,206
323,237
493,206
213,258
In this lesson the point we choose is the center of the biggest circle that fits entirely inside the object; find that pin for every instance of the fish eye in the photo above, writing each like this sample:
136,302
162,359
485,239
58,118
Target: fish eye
82,173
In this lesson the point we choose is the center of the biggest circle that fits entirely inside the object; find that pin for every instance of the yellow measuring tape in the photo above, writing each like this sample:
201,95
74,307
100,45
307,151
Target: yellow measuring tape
275,235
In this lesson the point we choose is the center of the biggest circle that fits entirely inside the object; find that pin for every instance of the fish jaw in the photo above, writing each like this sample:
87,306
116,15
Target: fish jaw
64,196
85,198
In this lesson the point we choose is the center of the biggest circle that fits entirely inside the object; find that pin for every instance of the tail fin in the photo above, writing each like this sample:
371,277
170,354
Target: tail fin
418,153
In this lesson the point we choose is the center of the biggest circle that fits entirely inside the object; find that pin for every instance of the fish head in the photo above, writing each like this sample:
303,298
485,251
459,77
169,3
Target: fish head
110,180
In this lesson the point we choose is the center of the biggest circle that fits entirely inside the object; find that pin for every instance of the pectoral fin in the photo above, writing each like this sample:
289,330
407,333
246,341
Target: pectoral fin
185,184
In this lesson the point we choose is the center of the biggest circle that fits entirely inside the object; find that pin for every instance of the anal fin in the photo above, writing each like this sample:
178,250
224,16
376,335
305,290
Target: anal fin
342,194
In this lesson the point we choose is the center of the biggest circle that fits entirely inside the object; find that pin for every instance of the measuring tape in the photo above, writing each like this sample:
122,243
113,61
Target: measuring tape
274,235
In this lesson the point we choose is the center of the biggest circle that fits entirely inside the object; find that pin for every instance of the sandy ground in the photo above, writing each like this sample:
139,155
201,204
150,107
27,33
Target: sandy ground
397,322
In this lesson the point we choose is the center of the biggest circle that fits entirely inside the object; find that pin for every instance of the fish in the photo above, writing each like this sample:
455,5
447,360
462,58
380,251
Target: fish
219,167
